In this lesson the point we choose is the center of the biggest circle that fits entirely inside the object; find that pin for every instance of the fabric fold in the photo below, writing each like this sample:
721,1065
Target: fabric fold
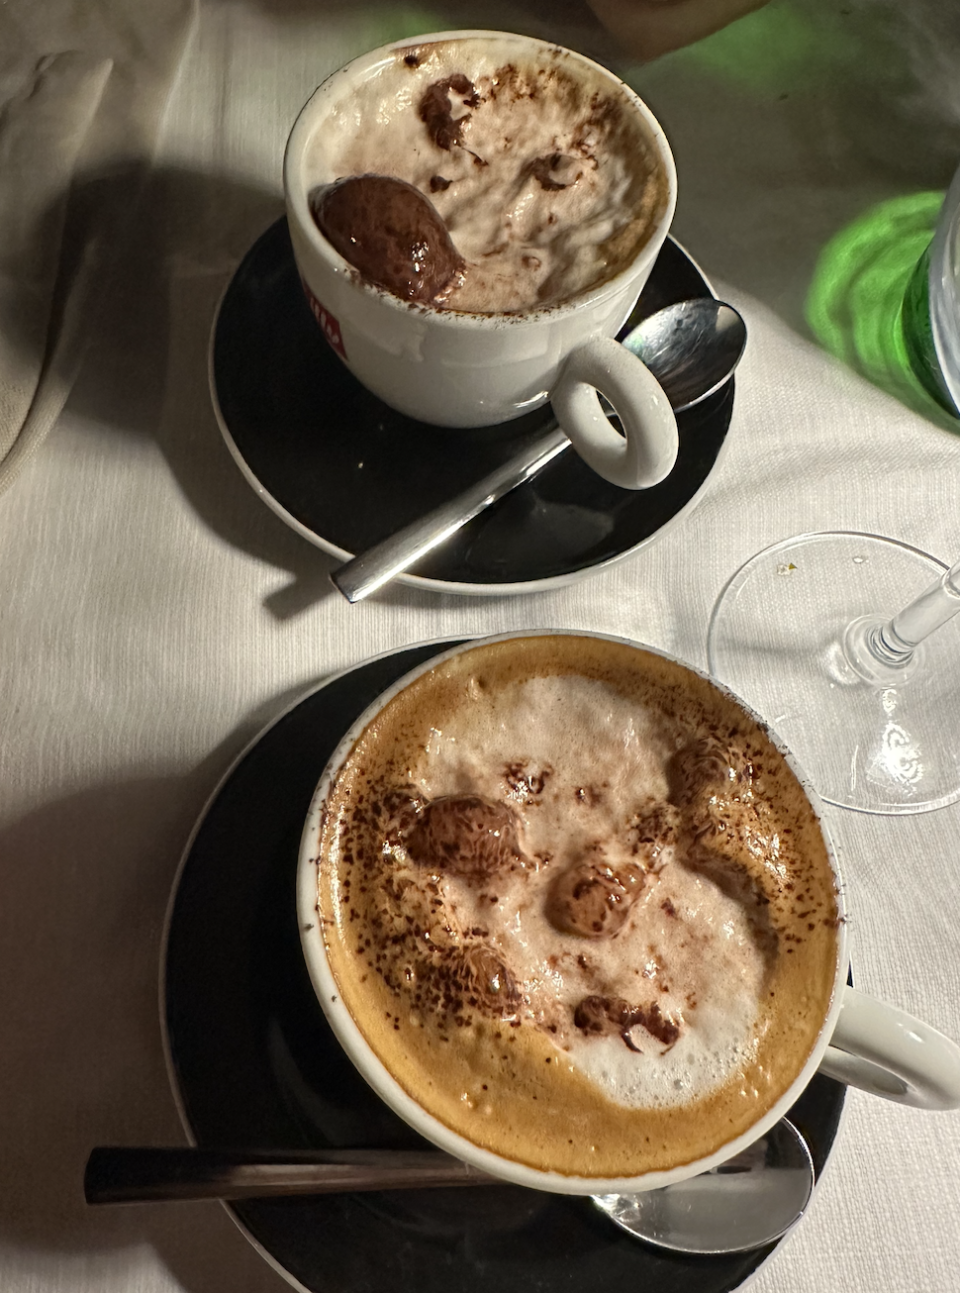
82,94
42,129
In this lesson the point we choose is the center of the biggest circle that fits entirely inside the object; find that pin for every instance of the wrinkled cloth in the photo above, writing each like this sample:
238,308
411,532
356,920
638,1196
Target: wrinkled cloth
82,92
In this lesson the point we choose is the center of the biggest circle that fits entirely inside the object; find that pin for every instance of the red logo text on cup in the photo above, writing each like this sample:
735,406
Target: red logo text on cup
328,324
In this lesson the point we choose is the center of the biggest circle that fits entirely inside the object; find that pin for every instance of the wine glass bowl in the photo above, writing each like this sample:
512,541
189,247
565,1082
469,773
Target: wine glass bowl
819,634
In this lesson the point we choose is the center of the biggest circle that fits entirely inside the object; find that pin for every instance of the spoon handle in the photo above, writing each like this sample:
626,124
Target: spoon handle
118,1174
364,574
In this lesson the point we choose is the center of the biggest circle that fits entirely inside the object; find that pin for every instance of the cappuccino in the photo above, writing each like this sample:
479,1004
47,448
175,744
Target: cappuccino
578,905
535,179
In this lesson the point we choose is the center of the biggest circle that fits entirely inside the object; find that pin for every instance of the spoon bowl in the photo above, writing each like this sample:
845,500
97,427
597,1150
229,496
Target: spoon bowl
691,348
745,1203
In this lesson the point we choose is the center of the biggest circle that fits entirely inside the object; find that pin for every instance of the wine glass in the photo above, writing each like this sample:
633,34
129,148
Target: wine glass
809,633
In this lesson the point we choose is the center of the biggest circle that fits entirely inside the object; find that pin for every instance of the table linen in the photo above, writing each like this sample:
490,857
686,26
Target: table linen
154,615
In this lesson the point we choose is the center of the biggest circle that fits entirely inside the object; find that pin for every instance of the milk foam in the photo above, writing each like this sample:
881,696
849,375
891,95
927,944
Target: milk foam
525,245
700,963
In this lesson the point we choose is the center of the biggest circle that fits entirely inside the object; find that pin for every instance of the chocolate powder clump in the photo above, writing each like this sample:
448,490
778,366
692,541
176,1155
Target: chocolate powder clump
390,232
486,982
592,899
556,171
466,836
596,1015
436,110
656,827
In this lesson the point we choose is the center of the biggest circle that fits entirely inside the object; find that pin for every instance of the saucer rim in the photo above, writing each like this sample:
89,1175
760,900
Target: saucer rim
454,587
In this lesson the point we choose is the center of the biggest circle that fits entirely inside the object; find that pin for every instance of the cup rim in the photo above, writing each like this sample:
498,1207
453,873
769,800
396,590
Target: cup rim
387,1087
296,196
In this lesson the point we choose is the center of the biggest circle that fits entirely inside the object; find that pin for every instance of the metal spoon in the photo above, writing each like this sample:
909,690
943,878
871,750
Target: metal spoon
747,1202
691,348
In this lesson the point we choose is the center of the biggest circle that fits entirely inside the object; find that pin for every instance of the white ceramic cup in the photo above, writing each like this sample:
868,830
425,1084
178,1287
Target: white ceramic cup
473,370
862,1042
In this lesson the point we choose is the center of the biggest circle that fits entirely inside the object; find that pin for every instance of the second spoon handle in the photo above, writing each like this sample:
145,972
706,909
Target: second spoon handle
372,569
118,1174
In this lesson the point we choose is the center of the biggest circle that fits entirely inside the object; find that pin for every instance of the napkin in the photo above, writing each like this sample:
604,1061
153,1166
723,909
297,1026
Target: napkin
82,93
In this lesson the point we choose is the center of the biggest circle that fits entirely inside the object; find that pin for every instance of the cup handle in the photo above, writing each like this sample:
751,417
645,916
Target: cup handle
887,1052
644,455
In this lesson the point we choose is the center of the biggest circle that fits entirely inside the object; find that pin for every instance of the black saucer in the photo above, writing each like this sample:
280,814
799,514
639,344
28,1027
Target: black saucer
346,471
255,1065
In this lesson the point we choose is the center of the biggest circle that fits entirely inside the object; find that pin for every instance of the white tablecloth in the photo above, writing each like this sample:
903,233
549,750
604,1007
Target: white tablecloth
154,614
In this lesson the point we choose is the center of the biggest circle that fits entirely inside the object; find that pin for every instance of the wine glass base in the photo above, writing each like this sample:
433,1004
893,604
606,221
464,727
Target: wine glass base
775,638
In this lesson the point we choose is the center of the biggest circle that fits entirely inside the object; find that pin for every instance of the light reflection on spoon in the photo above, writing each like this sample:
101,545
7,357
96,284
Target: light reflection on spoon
745,1203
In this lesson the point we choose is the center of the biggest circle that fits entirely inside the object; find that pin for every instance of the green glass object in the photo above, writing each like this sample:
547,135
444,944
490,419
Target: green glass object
856,302
918,334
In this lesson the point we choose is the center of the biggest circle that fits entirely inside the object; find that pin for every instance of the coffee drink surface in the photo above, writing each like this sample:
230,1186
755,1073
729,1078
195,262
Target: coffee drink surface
542,171
578,905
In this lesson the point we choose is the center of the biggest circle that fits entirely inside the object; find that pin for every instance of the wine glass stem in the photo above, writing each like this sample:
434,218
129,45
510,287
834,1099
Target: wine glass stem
878,649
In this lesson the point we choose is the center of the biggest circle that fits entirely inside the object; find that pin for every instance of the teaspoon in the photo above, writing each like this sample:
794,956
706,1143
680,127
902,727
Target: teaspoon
746,1202
691,348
